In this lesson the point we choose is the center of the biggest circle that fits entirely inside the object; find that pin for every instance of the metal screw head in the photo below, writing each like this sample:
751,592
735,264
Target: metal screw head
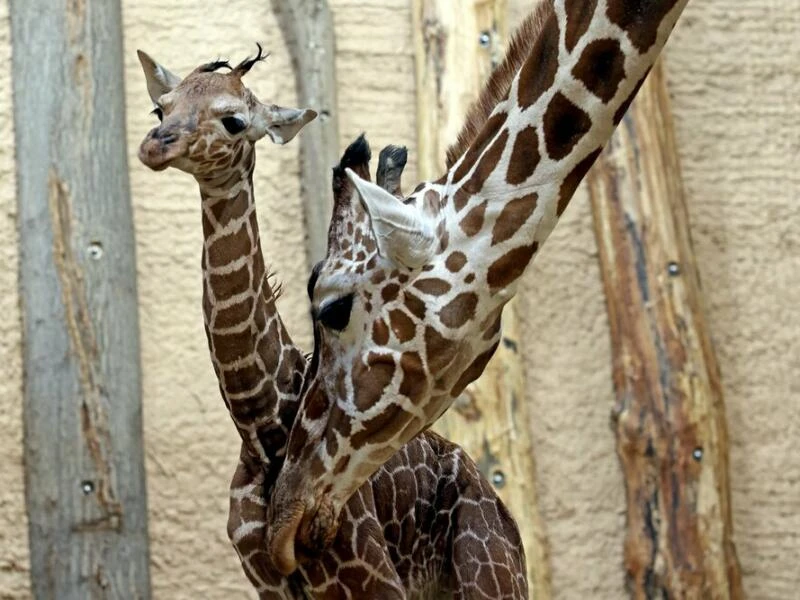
485,39
697,454
673,268
498,478
87,487
95,250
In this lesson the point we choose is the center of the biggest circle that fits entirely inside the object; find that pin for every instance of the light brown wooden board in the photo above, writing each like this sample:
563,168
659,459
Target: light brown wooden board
669,417
84,461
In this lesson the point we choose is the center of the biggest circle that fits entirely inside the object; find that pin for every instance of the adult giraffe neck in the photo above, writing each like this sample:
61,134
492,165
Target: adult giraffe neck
258,368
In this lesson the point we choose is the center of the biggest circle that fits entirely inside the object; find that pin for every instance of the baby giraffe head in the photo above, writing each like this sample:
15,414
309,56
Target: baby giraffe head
209,120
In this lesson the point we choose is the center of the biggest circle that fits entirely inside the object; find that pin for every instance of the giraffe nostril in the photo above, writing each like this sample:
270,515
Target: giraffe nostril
169,138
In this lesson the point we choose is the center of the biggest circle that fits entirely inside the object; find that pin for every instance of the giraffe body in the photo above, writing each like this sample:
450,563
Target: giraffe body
409,299
426,524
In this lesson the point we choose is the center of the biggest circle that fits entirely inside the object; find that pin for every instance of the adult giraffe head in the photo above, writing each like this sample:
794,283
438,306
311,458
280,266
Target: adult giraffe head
209,118
407,303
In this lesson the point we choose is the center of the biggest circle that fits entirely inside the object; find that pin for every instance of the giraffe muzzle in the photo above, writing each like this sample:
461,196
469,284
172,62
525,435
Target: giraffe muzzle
298,535
160,148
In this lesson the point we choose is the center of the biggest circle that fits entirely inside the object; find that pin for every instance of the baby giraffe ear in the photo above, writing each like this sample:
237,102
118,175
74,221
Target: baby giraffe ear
280,124
160,80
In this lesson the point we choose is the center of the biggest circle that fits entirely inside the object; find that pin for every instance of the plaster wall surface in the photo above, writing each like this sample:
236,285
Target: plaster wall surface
734,71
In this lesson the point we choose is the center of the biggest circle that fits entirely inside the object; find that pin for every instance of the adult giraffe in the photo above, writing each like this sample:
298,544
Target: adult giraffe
427,522
408,301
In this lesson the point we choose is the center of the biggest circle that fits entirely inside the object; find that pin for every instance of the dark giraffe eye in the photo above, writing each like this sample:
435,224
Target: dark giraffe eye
158,113
233,125
336,315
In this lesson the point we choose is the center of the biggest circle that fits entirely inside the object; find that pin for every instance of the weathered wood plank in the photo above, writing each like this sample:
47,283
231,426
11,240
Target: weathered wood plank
84,464
307,26
457,44
669,417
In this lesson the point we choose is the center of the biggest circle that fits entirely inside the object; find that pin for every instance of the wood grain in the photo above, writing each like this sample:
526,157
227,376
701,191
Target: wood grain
457,44
85,485
669,417
307,26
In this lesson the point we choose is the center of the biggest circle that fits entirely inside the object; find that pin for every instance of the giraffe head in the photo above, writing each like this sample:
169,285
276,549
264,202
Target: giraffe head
209,118
396,330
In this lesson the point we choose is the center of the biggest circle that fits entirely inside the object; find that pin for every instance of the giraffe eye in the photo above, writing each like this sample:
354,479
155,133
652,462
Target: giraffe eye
336,315
158,113
233,125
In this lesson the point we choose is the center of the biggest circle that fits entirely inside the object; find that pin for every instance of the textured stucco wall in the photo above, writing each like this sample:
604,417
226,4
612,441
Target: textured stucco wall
734,70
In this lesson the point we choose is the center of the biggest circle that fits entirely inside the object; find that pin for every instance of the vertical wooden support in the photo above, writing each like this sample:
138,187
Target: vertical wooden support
670,416
457,44
307,26
84,461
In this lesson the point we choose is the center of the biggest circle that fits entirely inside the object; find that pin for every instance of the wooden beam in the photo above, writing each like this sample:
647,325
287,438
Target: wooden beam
669,417
307,26
84,466
457,44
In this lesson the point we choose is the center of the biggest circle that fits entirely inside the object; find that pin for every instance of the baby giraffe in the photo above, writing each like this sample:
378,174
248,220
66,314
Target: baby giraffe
426,524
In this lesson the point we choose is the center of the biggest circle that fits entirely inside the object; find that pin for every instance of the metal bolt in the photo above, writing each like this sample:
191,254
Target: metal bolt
697,454
498,479
324,115
87,487
673,268
95,250
485,39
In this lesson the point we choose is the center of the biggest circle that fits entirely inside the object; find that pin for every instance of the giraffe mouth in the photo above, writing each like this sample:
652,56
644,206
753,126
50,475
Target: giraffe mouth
302,535
157,153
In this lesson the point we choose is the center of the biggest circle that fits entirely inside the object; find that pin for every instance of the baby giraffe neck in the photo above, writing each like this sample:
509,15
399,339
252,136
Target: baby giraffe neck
258,368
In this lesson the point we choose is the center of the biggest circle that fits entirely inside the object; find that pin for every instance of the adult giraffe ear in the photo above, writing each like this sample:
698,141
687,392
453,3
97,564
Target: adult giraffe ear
280,124
402,234
160,80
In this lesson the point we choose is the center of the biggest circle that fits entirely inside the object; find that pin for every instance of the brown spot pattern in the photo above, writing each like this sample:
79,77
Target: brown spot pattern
414,382
402,325
415,305
370,386
579,17
488,133
456,261
601,68
571,181
380,332
510,266
461,198
513,216
487,164
524,156
438,349
432,286
473,222
539,71
640,19
473,371
564,126
459,310
390,291
230,247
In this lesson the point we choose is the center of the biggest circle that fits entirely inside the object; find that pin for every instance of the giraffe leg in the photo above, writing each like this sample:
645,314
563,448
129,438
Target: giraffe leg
488,559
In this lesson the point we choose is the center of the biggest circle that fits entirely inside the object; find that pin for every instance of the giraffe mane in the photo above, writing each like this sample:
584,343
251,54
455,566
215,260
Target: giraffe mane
497,87
214,65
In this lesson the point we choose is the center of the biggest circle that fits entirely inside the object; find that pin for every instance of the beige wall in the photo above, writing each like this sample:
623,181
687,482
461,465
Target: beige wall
734,70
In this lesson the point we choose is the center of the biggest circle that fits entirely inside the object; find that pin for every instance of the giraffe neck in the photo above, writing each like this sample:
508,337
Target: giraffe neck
562,97
258,367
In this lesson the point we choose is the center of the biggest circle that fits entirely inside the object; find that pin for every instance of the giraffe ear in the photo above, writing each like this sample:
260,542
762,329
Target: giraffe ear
402,234
280,124
160,80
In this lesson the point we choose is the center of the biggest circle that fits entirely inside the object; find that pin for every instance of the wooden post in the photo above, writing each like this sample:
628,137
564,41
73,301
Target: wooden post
670,416
84,464
457,45
307,26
